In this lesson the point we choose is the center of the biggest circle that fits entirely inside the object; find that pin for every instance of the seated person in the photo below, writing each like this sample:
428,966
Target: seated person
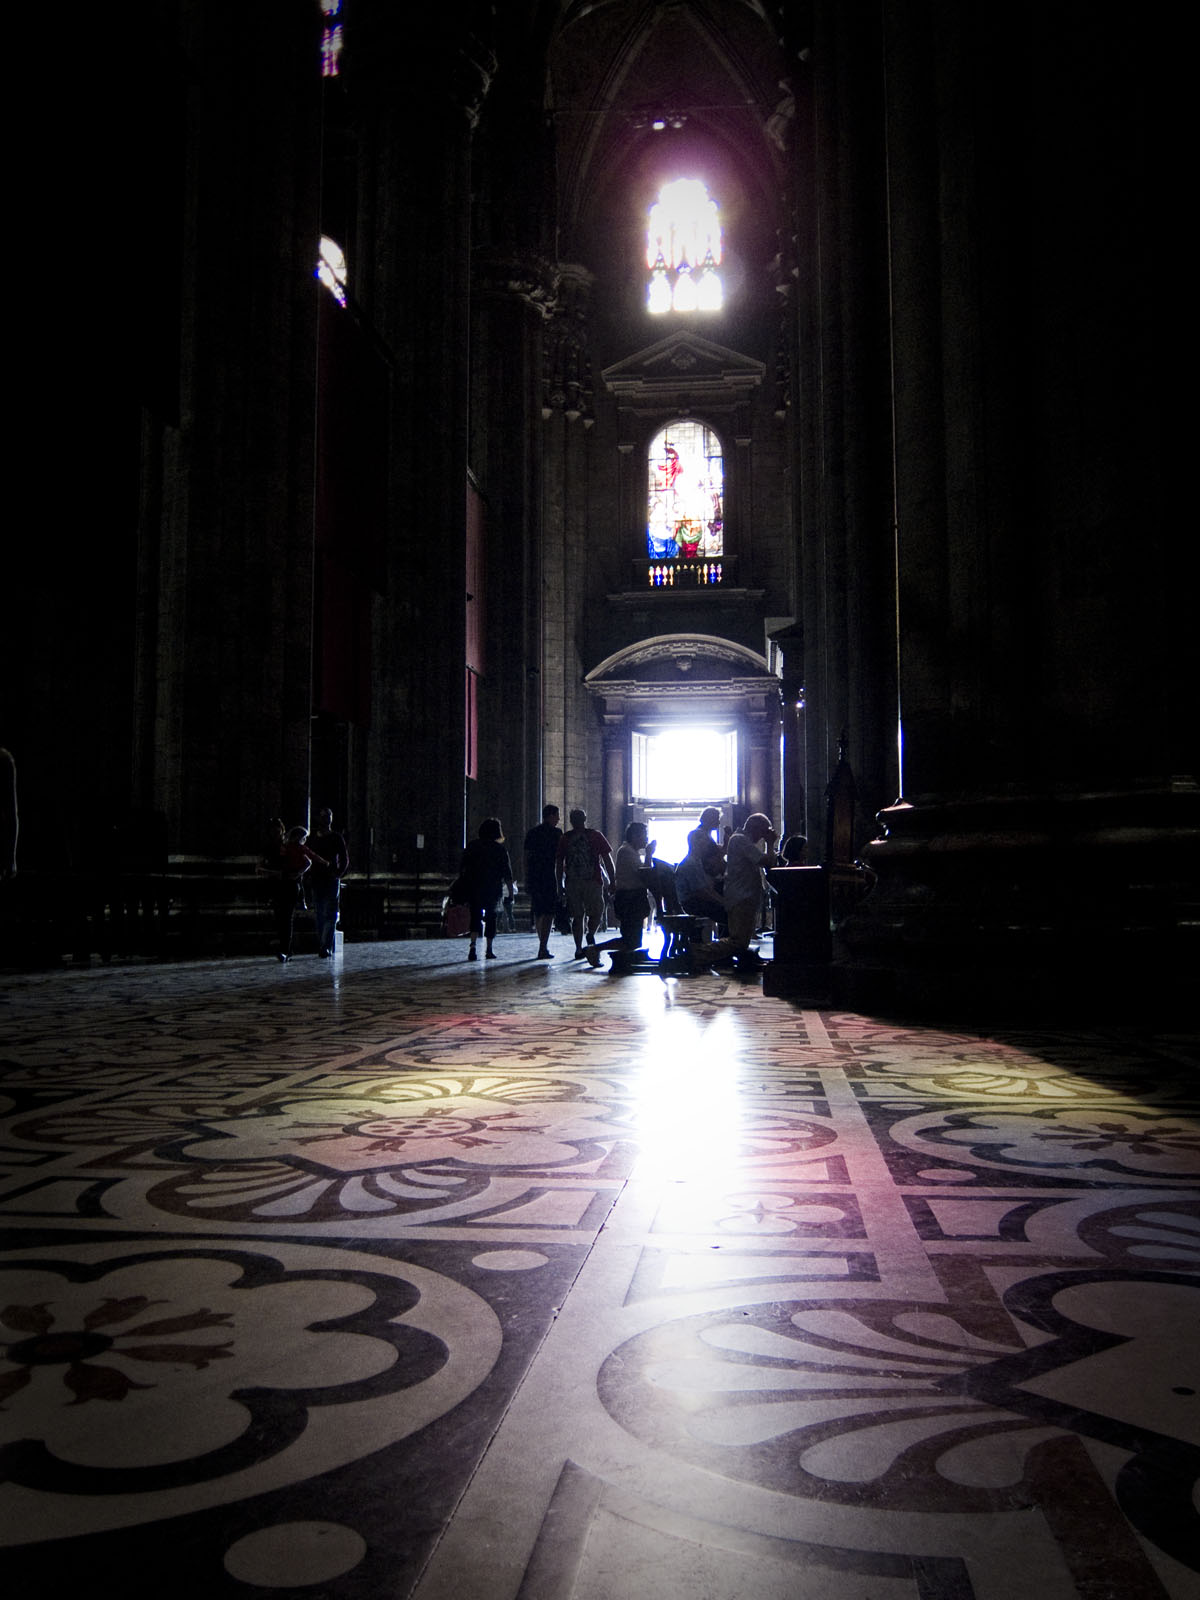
659,878
698,894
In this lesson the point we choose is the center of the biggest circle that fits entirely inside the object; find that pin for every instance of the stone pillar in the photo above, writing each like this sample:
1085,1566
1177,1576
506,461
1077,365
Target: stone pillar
513,295
1046,849
792,799
568,778
414,131
224,656
846,576
616,779
761,791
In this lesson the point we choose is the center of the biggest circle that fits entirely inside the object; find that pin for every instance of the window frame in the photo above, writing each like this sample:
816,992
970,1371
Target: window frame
709,546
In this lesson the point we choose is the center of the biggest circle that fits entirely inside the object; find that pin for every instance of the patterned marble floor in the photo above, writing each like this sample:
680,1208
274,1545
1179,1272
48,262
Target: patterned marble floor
397,1277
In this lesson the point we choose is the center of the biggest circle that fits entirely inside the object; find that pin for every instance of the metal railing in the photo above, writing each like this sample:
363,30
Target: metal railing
685,572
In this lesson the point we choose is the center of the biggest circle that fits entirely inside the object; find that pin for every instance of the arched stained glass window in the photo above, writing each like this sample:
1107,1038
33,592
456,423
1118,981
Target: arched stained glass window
331,268
331,38
687,493
683,249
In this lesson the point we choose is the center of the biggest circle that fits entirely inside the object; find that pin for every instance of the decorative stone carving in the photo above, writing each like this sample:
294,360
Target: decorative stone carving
523,276
567,368
716,378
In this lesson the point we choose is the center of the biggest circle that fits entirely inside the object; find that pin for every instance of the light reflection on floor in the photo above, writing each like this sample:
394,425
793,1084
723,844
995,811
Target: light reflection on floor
398,1276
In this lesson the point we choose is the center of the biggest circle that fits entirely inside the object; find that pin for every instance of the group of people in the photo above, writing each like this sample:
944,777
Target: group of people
573,872
486,874
724,882
567,874
301,865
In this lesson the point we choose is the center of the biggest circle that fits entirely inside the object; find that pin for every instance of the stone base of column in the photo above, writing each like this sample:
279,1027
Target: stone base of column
808,902
1086,903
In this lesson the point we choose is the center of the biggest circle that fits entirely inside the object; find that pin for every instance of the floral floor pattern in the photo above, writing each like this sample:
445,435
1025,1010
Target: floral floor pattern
394,1276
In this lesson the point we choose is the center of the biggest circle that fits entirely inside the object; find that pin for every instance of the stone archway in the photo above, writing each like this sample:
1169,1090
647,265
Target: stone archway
677,678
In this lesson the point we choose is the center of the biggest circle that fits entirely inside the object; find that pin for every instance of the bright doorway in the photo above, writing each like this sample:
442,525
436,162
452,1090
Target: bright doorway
677,771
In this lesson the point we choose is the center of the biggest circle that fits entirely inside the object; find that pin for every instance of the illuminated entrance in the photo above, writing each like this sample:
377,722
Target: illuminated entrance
687,720
677,771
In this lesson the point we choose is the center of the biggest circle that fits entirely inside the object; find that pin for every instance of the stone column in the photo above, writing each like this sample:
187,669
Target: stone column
513,295
224,658
415,116
846,576
760,723
568,778
1046,852
616,779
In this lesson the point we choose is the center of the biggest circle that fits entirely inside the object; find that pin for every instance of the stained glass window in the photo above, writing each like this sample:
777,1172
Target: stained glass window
683,249
687,493
331,268
331,38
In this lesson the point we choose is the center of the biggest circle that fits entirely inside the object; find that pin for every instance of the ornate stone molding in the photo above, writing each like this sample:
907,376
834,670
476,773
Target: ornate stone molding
472,69
700,650
516,274
567,368
683,369
379,63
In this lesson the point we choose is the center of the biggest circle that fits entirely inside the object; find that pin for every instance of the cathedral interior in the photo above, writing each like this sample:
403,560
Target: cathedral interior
634,405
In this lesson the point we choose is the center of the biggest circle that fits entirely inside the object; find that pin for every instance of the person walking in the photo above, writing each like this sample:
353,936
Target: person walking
541,851
485,871
584,862
325,879
291,861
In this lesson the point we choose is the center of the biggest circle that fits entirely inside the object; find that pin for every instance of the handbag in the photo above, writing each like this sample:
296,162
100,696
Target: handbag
458,893
456,920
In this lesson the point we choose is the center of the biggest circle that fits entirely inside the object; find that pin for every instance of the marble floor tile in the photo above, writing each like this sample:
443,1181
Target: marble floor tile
397,1277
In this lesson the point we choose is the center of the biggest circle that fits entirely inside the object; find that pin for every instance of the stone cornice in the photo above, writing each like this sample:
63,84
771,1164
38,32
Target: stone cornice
683,365
677,647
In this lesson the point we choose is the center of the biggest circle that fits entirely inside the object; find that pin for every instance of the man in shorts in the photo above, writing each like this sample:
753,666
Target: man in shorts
583,863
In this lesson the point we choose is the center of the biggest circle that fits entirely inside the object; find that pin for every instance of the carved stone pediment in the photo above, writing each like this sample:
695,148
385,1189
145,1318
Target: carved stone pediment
683,368
693,673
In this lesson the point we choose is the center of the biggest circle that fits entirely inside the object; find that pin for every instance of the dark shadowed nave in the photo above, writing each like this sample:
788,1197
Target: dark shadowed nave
403,1277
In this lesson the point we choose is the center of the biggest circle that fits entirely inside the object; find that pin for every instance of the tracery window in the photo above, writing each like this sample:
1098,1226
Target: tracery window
686,513
331,268
683,249
331,38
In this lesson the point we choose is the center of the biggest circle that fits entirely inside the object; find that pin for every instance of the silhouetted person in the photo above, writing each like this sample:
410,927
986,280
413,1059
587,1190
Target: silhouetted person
747,855
584,861
485,871
541,849
292,860
698,877
631,894
704,846
325,879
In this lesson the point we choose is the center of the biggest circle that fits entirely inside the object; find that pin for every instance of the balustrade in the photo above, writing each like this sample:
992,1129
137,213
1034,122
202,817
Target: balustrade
685,573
